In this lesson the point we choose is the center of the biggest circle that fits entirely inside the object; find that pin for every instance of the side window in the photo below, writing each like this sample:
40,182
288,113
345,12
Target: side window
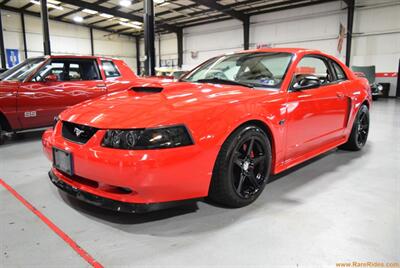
110,69
54,67
74,72
83,70
70,70
340,74
313,66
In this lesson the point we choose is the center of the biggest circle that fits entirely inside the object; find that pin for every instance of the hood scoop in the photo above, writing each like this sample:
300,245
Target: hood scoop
147,89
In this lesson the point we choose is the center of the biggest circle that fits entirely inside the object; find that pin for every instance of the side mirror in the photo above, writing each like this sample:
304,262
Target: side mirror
51,78
307,82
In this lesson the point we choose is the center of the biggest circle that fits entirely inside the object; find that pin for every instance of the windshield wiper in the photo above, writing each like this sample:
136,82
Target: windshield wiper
223,81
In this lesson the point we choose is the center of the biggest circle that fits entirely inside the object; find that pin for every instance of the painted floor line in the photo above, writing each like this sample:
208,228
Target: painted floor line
53,227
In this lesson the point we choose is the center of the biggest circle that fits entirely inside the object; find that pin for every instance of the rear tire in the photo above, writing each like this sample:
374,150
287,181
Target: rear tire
2,136
242,168
375,98
359,133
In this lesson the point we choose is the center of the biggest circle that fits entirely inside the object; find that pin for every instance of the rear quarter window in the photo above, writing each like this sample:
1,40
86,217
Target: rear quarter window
110,70
340,74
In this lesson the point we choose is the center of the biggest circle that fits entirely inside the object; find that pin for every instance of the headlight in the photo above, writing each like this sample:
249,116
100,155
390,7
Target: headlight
144,139
380,87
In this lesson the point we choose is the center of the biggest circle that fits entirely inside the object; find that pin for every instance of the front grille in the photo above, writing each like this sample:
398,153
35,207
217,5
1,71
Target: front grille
77,133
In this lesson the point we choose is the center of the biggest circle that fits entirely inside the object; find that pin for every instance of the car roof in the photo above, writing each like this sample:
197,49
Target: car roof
283,49
78,57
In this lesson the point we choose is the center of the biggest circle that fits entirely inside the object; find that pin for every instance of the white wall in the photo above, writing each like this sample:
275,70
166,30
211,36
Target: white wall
65,38
210,40
376,26
168,49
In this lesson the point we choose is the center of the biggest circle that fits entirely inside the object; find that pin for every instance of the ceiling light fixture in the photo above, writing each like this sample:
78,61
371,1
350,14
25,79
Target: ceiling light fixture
107,16
37,2
129,24
159,1
89,11
163,4
125,3
78,19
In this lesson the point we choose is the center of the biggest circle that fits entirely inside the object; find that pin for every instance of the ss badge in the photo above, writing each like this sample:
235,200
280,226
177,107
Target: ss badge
30,114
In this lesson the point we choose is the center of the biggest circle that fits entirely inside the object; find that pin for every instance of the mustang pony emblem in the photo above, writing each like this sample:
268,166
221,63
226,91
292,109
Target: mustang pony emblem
78,132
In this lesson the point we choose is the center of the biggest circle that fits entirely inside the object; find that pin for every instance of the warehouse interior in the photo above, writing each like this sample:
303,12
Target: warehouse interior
339,208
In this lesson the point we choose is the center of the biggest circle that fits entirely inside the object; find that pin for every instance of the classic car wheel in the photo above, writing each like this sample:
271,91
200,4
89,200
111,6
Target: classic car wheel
359,134
242,167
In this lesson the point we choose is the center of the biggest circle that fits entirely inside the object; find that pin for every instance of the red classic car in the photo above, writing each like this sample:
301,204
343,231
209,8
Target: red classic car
38,89
219,132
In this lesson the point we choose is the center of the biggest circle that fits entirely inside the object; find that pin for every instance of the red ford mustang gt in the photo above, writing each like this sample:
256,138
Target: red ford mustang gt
220,131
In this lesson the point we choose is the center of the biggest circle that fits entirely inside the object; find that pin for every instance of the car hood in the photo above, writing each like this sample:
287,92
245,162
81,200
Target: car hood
161,103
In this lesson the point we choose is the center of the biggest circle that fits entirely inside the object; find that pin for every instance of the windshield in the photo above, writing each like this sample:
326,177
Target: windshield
262,69
22,70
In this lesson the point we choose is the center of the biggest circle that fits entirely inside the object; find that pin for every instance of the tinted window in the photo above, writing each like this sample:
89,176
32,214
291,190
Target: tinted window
340,74
109,69
70,70
313,66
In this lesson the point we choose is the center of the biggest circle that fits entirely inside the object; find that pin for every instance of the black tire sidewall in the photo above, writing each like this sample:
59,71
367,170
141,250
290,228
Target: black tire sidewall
363,109
232,198
2,136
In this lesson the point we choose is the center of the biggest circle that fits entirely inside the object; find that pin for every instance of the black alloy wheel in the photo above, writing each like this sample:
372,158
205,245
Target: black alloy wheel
242,168
247,167
359,134
362,128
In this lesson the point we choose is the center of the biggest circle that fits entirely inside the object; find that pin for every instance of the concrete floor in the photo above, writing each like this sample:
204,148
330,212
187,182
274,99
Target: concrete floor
340,207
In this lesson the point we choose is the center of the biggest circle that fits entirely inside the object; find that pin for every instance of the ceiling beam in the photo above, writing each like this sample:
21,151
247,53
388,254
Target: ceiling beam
98,2
34,14
265,9
221,8
116,13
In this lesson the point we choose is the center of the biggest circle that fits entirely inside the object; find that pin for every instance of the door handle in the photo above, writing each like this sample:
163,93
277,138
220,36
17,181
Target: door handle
102,86
340,95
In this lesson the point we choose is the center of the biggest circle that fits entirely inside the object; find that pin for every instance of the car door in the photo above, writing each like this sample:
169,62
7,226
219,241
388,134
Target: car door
73,80
315,117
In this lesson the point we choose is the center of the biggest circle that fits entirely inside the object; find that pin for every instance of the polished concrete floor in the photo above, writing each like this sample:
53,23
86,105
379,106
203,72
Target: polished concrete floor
340,207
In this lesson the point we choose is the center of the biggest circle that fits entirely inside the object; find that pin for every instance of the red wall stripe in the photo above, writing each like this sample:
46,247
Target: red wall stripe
53,227
388,75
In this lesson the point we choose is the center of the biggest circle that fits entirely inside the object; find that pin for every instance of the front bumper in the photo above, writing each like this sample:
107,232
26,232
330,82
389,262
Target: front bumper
110,203
153,176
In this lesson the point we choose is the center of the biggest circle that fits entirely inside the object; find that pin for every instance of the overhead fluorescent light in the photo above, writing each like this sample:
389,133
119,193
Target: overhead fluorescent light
37,2
78,19
137,23
164,4
125,3
159,1
129,24
107,16
89,11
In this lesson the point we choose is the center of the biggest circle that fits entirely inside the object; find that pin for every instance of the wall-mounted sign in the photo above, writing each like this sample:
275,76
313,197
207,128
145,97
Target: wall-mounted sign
12,57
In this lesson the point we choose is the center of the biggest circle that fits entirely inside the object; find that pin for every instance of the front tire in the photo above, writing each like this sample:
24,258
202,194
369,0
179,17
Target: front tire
375,98
359,133
242,167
